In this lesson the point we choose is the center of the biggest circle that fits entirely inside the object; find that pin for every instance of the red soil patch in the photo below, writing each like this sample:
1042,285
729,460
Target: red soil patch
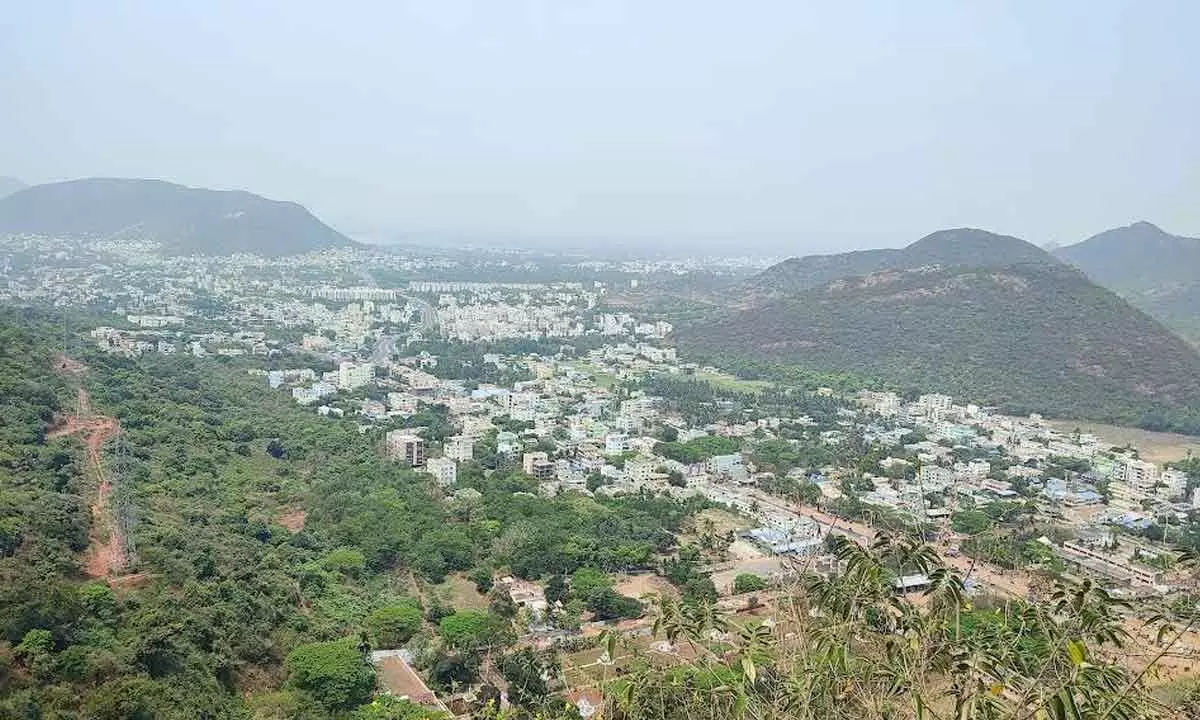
105,555
293,520
67,366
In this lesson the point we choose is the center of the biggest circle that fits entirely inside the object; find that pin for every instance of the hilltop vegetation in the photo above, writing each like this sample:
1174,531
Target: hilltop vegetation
1155,270
184,220
1026,337
967,247
212,465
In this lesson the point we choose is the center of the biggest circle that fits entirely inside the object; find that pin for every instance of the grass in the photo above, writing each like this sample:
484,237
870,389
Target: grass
602,379
722,381
461,593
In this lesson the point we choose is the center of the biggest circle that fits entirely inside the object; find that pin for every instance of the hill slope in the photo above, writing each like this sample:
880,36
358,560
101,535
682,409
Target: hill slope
960,246
184,220
1155,270
1029,336
9,185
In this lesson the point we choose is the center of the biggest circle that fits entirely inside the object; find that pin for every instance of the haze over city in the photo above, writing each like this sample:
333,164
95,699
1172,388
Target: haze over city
787,127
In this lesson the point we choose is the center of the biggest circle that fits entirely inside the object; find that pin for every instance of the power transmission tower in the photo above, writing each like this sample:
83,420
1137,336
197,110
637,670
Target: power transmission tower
120,476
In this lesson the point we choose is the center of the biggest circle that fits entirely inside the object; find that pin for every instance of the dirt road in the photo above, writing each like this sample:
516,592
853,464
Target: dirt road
106,548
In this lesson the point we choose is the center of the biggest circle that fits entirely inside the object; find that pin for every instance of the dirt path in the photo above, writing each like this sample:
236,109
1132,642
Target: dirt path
106,550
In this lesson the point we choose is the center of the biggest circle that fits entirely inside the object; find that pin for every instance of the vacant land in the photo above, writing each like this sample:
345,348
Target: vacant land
461,593
1156,447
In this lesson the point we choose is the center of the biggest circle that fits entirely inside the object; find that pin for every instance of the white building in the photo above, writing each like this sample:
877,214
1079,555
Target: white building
616,443
459,447
444,471
354,375
1174,483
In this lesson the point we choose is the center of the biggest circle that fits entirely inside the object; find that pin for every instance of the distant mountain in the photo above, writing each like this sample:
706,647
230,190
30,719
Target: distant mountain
9,185
184,220
1153,269
984,317
957,247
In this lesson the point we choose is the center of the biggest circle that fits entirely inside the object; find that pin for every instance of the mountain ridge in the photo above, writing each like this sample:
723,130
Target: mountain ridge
1010,326
184,220
1156,271
949,247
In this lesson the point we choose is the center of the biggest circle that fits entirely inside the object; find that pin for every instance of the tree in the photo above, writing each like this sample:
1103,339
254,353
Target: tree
472,629
748,582
525,672
587,580
556,589
390,707
334,673
275,448
607,604
970,522
482,577
699,590
394,625
501,603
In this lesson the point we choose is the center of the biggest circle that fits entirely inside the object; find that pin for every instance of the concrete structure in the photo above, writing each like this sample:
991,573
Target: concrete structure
723,464
530,458
444,471
405,446
460,448
354,375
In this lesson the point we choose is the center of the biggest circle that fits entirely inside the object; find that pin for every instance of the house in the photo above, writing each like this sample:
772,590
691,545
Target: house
724,464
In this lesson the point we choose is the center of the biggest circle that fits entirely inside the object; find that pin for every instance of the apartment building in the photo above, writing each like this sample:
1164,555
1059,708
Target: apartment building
404,446
444,471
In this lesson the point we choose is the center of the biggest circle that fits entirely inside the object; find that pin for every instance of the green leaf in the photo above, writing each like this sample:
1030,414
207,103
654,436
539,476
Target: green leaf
748,668
1078,652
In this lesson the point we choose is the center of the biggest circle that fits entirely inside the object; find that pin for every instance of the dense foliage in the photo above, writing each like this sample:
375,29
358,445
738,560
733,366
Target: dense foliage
254,528
952,330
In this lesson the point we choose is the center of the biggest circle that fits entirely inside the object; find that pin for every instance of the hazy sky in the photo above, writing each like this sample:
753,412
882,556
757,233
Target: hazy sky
813,126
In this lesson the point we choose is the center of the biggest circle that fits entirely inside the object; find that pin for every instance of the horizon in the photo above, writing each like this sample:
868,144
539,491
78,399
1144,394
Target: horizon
789,131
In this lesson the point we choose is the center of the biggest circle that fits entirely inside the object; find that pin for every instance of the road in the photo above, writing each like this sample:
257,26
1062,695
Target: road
428,314
385,348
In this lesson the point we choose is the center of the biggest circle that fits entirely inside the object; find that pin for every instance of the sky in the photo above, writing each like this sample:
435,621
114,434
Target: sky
783,126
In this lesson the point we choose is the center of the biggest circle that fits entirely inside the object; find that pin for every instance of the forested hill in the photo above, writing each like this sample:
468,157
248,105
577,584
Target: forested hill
1026,337
264,543
184,220
955,247
1153,269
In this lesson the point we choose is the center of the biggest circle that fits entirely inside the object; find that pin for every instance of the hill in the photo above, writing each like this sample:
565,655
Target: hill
184,220
1153,269
960,246
9,185
1027,336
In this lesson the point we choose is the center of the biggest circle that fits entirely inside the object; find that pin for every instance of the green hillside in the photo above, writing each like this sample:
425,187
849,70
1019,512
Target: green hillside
261,545
1026,337
1155,270
959,246
184,220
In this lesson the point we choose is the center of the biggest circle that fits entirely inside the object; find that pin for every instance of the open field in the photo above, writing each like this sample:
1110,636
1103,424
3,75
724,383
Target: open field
636,586
602,379
1158,447
461,593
